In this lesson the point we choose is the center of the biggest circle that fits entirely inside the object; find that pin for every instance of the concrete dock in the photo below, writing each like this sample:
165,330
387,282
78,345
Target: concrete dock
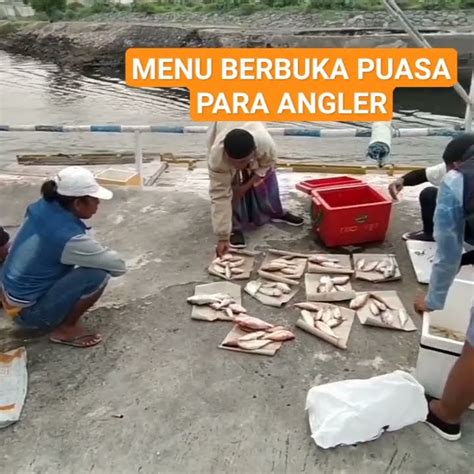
159,396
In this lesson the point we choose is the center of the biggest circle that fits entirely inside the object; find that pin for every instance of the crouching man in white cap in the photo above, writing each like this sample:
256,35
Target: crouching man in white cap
55,271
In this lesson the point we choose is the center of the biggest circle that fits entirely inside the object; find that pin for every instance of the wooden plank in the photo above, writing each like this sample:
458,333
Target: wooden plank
81,159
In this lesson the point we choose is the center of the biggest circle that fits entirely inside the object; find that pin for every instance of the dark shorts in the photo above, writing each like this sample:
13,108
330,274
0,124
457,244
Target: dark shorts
54,307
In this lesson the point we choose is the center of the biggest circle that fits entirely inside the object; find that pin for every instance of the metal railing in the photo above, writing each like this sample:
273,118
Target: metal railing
139,130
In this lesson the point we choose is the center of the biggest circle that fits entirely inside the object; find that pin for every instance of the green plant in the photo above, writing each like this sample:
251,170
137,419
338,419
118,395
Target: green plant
50,7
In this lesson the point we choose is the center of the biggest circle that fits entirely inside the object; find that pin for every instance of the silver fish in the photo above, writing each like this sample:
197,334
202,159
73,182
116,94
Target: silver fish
381,306
251,336
336,312
237,308
321,259
276,328
252,323
226,302
340,280
361,264
391,269
284,288
229,312
289,271
254,344
307,317
359,301
215,306
387,317
334,323
273,267
325,329
374,309
403,317
371,266
330,265
271,292
227,257
375,296
320,314
228,272
269,285
340,288
237,271
236,264
327,315
308,306
280,336
252,287
220,269
202,300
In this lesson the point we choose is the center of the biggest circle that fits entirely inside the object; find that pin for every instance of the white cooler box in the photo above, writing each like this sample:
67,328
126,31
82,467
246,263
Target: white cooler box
437,355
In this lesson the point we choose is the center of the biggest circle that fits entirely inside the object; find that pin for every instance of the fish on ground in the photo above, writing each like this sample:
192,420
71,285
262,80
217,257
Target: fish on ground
251,322
237,308
318,259
280,336
403,317
331,265
253,344
203,300
323,327
252,335
271,292
307,317
308,306
359,301
283,287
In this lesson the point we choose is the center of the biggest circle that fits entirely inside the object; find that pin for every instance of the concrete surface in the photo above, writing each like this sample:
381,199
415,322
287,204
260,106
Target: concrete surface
187,406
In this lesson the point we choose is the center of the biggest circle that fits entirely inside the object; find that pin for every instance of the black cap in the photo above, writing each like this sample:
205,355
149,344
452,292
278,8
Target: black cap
460,148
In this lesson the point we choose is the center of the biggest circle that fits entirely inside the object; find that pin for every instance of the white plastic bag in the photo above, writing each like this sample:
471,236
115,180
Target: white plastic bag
354,411
13,385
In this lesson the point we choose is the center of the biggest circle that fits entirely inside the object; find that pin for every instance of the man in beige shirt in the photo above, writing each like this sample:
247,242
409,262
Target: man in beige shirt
243,184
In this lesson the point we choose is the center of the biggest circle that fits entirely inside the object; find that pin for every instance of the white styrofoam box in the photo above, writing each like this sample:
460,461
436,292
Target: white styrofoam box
421,255
437,355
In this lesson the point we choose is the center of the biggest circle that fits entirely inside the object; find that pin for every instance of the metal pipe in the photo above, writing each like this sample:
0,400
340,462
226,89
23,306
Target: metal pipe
469,107
139,155
353,132
416,36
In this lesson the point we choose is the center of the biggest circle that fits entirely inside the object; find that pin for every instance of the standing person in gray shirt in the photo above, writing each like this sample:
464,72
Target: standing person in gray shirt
55,271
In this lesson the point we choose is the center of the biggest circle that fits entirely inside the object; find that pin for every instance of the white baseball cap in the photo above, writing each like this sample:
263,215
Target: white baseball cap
76,181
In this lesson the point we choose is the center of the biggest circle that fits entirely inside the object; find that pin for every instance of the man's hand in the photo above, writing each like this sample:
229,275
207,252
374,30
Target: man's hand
395,188
222,248
420,304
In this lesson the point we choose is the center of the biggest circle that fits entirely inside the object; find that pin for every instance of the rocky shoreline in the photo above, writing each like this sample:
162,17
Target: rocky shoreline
100,45
300,20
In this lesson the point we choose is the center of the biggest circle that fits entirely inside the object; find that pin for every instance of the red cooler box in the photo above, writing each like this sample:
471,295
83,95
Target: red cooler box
312,184
350,214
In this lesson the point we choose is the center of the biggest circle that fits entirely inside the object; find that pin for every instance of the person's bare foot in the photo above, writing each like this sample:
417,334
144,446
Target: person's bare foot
76,336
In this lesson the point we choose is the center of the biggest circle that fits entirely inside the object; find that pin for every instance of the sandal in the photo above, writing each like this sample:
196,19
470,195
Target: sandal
76,341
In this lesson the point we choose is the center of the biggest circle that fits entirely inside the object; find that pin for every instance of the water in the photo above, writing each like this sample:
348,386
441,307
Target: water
34,92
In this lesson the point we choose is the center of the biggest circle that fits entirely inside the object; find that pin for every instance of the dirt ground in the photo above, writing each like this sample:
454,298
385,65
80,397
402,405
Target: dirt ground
159,396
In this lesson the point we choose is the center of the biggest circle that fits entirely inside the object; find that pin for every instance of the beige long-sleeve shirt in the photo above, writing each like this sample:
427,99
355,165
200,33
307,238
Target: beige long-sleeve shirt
222,173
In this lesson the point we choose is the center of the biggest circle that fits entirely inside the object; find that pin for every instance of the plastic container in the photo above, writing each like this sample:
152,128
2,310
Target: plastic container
313,184
350,215
437,355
